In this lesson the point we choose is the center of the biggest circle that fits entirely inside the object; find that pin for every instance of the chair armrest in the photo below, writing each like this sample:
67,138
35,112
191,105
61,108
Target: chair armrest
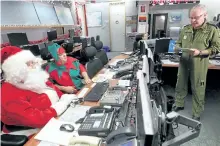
13,140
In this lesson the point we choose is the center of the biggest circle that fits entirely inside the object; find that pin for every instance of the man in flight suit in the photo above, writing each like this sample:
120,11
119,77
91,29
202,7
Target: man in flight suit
197,41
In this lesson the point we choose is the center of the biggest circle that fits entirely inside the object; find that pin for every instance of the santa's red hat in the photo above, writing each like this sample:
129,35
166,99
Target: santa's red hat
14,59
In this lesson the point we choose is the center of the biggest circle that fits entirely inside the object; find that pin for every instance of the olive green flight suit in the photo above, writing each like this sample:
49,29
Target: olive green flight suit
207,37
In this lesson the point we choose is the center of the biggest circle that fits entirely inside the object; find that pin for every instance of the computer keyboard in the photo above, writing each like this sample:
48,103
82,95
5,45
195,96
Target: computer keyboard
97,91
174,58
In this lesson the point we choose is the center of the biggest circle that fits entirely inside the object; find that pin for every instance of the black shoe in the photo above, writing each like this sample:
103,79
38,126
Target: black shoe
176,108
196,118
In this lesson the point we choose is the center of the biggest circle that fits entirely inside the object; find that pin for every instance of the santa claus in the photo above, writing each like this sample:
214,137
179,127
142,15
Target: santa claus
28,98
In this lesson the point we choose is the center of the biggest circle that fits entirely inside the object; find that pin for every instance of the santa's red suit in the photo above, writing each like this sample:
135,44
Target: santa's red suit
28,98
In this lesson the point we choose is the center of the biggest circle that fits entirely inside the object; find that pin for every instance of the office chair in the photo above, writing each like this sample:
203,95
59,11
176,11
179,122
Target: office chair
45,54
13,140
93,41
101,54
33,48
94,65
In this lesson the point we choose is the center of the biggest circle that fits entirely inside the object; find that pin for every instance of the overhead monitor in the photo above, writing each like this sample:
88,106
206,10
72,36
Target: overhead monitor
145,68
71,33
146,124
161,46
142,48
171,46
52,35
18,39
77,39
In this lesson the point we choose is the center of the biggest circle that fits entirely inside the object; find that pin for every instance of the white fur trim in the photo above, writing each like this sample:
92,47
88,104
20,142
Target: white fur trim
23,132
16,64
52,95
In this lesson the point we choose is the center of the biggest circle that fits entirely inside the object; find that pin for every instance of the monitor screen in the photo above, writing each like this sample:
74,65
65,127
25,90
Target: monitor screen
18,39
171,46
162,46
71,33
52,35
77,40
142,48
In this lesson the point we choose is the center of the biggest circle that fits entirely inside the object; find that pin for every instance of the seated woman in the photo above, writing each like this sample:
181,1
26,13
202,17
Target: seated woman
66,71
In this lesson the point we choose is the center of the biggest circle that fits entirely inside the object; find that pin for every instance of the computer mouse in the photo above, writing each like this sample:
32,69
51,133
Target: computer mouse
67,128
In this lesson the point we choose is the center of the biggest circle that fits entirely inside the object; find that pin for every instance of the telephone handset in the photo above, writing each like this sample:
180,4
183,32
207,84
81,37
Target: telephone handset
99,109
128,132
85,140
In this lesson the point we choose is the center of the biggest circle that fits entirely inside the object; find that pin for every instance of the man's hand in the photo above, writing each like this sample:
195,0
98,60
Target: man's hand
69,89
88,80
68,98
196,52
60,107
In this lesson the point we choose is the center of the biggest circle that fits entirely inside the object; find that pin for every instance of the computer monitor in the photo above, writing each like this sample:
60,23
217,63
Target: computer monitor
77,39
142,48
18,39
52,35
161,46
145,68
146,124
71,33
171,46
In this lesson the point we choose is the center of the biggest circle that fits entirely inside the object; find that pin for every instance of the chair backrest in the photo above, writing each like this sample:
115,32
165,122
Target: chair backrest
102,56
84,43
93,41
18,39
93,67
45,54
97,38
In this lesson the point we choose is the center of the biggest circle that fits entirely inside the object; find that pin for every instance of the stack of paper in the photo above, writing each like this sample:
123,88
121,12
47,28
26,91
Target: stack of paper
99,78
72,114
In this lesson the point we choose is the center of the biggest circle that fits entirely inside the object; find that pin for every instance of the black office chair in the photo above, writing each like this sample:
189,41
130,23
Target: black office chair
45,54
93,41
13,140
101,54
35,50
136,44
94,65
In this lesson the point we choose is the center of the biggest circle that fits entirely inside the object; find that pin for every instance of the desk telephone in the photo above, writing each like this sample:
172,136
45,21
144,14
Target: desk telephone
97,122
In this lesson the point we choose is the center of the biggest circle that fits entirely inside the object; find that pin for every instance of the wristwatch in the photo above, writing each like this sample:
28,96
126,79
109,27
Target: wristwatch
200,53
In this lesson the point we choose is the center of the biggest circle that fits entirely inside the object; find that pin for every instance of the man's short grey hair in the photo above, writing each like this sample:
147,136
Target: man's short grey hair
201,7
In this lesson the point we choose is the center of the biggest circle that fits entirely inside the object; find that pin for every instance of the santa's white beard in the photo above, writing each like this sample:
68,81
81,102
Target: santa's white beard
35,81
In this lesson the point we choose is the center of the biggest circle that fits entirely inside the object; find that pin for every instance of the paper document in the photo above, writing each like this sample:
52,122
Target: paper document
72,114
168,62
214,62
114,63
125,83
99,78
109,74
51,132
82,92
126,53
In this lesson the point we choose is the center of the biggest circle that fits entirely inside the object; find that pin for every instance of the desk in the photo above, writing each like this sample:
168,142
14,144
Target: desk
34,142
211,66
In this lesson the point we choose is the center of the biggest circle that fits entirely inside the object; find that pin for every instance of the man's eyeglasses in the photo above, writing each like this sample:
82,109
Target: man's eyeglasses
196,17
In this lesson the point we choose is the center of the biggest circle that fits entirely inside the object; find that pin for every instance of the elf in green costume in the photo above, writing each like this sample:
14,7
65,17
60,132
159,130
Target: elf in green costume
66,71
